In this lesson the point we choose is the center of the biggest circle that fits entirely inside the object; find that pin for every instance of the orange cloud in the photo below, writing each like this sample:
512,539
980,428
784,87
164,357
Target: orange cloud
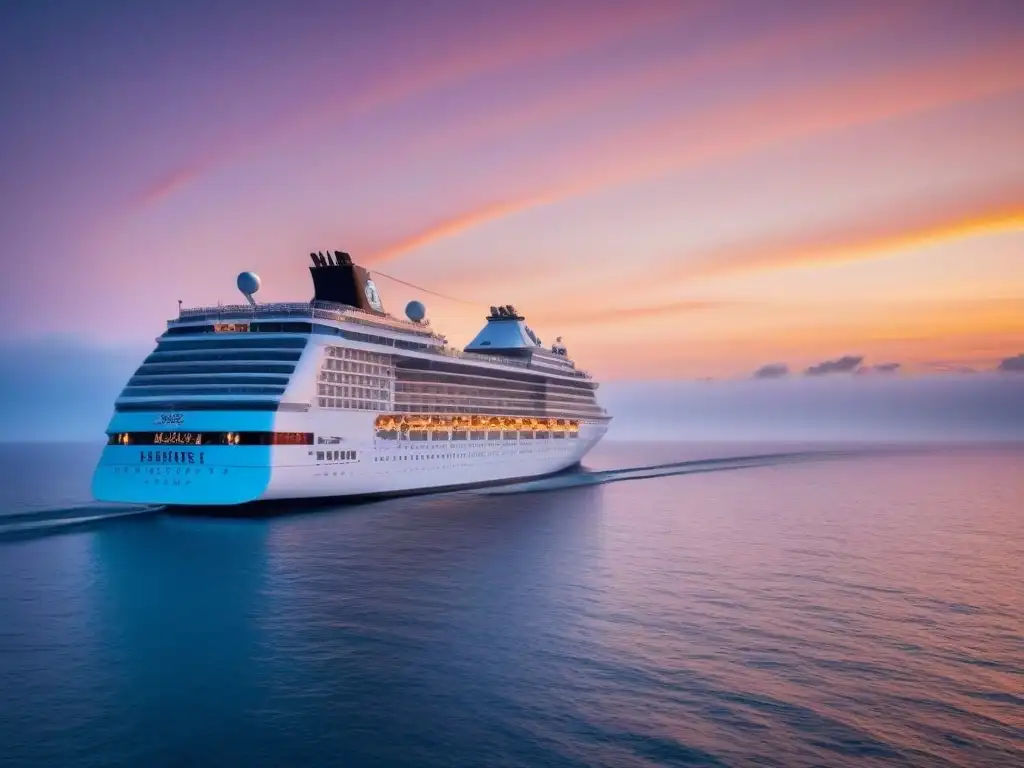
452,226
859,242
904,230
725,133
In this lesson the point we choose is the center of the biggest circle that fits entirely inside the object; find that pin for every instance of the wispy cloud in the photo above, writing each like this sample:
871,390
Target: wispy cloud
782,118
506,47
169,184
561,36
845,364
675,73
453,225
860,241
683,189
803,113
860,99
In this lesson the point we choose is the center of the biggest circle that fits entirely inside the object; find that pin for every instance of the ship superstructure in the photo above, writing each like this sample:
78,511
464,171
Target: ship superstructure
335,397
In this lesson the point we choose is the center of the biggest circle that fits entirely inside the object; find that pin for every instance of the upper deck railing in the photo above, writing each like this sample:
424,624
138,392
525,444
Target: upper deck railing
315,309
327,311
500,360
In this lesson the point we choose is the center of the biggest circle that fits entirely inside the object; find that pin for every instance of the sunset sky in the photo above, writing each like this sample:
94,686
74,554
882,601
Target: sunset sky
679,189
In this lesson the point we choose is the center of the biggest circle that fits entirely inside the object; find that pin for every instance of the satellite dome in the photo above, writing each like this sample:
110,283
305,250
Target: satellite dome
415,311
248,282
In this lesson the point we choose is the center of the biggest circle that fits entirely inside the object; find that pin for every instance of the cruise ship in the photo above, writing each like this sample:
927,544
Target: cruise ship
335,397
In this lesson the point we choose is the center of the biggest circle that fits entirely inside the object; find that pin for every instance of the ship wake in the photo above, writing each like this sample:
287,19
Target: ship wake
43,522
600,477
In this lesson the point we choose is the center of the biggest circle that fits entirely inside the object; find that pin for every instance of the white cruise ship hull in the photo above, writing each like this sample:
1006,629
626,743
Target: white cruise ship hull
358,464
334,398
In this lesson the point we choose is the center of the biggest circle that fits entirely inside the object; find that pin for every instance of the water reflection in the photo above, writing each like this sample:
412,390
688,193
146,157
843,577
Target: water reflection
409,616
175,601
48,640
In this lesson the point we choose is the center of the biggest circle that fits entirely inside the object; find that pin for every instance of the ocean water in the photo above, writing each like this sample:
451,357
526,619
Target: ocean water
840,607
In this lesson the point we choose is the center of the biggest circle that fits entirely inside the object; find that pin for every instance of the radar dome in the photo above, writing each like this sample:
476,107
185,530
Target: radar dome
415,311
248,282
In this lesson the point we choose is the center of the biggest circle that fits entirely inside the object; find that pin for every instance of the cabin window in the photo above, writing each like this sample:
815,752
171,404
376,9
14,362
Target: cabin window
210,438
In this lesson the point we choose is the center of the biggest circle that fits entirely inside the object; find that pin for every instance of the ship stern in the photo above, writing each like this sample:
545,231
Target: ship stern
196,459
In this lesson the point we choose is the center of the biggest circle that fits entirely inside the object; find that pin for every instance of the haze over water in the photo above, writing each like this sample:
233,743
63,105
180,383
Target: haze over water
856,610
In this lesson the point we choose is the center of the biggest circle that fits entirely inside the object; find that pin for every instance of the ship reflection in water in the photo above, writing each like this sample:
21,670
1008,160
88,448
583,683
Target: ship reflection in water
862,610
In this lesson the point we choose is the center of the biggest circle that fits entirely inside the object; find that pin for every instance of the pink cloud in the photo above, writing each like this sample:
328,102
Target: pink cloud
724,134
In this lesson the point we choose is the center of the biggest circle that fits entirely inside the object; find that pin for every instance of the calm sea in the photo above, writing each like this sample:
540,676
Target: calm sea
853,609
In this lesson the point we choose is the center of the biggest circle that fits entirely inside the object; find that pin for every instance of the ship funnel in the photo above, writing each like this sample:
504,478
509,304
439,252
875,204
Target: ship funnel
337,280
